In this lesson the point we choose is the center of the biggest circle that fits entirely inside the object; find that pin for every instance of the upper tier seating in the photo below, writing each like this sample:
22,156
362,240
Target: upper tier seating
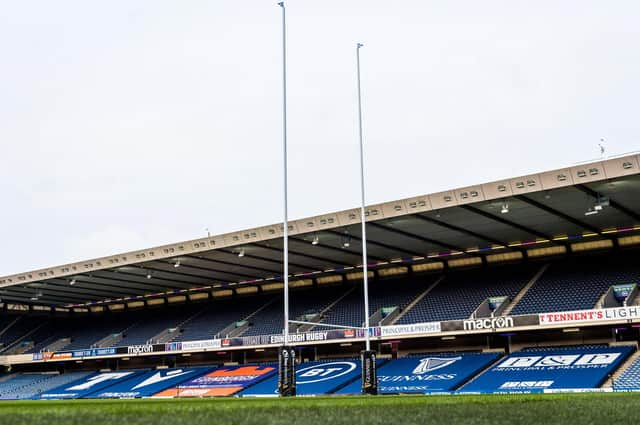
152,323
460,293
23,326
269,320
384,293
217,316
578,283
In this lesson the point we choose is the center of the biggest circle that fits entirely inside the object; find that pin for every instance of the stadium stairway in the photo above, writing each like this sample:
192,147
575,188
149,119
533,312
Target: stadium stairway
486,369
622,370
16,348
417,299
7,323
219,319
524,290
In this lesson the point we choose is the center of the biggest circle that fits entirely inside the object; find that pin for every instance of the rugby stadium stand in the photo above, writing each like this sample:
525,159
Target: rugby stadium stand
459,282
568,284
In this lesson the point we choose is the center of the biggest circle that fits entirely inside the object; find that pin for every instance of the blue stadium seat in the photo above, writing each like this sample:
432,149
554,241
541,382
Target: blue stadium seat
577,284
460,293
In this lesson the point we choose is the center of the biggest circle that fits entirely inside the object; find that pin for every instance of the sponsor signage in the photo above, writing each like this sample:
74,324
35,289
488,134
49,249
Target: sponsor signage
541,370
416,328
92,352
313,378
488,323
559,361
223,381
89,384
202,344
148,383
582,316
140,349
426,374
301,337
524,385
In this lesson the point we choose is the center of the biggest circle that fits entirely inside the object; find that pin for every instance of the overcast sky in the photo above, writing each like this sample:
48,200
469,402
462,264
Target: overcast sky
128,124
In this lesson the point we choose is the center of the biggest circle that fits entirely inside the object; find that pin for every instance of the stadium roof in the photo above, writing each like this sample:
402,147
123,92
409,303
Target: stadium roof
591,201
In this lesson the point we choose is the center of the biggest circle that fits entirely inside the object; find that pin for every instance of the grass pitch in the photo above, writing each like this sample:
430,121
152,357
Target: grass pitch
566,409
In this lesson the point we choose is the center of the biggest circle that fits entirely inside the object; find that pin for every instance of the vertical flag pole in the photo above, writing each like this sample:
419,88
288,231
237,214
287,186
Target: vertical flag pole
286,355
369,378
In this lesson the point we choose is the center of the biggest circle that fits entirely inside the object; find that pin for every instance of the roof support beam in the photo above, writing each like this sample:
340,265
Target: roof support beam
512,224
380,244
153,282
341,250
612,202
87,290
270,260
208,270
88,283
261,269
226,263
463,230
292,252
557,213
181,273
420,238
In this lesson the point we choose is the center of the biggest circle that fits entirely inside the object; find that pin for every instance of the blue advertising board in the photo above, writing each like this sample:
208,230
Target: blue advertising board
90,384
426,374
312,378
549,370
148,383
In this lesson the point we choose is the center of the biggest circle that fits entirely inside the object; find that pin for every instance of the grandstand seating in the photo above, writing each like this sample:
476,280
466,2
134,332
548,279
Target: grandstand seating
569,284
25,386
630,378
23,326
217,316
146,327
577,284
269,320
460,293
349,311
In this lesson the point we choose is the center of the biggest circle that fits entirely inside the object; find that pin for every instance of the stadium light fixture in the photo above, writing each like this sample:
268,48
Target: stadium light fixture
591,211
149,276
505,208
177,264
316,240
241,253
72,281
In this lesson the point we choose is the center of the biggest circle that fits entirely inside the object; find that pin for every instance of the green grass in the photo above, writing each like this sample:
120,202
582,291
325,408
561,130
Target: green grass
583,409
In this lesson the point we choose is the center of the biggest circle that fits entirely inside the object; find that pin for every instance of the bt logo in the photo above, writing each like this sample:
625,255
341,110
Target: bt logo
323,372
